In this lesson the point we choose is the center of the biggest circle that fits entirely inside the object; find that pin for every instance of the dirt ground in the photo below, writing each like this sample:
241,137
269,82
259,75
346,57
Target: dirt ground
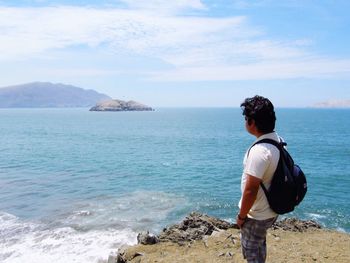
224,246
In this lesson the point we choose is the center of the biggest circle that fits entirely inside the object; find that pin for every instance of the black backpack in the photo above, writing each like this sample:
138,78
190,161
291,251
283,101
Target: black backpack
288,185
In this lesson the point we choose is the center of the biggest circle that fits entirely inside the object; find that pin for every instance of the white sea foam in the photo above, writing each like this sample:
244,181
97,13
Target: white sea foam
32,242
340,229
316,216
86,234
138,211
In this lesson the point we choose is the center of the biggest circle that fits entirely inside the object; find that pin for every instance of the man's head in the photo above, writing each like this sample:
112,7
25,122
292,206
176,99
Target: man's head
261,111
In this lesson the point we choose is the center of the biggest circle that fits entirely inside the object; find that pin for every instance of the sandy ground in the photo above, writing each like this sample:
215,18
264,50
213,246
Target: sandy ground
224,246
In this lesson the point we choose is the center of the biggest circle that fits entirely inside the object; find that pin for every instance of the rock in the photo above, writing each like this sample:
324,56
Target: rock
121,255
123,249
145,238
295,225
119,258
120,105
193,227
209,230
198,226
138,254
229,254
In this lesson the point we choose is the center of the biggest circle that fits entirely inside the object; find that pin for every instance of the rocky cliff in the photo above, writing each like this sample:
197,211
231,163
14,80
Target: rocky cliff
201,238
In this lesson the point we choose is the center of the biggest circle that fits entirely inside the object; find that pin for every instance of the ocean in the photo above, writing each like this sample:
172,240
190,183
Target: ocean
76,185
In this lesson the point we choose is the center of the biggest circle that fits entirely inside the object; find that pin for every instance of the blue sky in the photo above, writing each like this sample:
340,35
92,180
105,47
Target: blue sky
182,52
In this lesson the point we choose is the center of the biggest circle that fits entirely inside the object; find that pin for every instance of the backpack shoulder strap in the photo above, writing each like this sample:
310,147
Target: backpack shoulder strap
278,145
273,142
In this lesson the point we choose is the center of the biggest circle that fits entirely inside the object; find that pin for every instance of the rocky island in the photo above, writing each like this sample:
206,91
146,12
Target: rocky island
48,95
205,239
333,104
120,105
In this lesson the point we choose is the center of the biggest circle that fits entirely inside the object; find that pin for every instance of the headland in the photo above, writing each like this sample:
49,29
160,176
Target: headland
205,239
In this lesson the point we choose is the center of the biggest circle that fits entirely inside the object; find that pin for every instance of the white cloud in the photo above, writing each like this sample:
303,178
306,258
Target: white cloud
243,4
165,5
197,48
30,31
312,68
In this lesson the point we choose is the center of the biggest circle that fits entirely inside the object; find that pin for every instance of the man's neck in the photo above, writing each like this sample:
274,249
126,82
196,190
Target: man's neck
258,134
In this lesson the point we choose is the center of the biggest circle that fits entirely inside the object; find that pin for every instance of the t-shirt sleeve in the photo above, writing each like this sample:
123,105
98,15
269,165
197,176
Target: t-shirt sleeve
257,161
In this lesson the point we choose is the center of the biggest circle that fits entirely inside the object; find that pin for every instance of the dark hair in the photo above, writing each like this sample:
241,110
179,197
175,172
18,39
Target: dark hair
260,110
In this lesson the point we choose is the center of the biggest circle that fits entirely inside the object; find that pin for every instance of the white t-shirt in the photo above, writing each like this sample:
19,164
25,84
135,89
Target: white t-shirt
261,163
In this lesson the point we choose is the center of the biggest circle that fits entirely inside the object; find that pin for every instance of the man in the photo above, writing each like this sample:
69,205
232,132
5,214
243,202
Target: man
260,162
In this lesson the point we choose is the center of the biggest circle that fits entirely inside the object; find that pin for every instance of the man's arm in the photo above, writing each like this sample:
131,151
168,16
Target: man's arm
248,198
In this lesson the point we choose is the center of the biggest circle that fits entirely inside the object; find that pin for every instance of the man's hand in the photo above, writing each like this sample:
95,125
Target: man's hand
240,220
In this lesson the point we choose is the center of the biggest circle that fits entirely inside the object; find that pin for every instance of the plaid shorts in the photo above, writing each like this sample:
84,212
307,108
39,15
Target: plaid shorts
253,239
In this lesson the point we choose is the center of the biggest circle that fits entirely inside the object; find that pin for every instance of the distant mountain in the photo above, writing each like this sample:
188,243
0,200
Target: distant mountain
120,105
333,104
48,95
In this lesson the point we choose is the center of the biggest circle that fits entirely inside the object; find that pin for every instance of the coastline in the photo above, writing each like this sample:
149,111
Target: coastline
290,240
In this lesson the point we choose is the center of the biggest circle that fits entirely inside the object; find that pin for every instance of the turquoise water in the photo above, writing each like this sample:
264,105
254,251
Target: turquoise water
80,184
